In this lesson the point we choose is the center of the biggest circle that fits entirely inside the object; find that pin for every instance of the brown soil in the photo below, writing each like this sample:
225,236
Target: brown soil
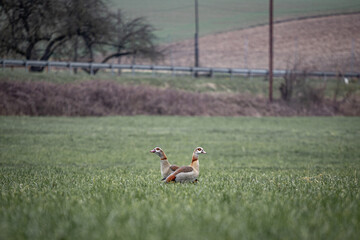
323,43
100,98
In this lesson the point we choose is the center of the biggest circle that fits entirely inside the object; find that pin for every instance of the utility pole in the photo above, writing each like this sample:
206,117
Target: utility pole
270,50
196,36
119,33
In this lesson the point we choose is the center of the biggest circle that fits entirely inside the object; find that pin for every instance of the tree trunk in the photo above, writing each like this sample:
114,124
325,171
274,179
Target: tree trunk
75,53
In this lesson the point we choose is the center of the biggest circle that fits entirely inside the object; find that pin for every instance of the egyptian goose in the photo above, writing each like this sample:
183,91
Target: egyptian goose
165,167
187,173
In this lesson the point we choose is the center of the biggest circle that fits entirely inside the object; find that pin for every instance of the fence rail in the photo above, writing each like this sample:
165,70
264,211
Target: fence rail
192,70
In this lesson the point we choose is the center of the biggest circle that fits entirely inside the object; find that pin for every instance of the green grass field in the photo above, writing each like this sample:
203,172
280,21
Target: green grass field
174,20
255,85
263,178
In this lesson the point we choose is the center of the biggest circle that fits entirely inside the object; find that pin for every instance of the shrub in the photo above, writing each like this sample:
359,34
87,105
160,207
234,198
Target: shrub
297,88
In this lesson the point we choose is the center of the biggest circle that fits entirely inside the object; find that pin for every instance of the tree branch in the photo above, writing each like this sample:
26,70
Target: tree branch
87,70
50,49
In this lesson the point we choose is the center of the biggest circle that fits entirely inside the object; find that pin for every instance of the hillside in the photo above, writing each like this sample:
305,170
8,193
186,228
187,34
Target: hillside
174,20
330,43
324,43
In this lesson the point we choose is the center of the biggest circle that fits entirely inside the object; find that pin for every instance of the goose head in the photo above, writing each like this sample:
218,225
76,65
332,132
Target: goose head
199,150
158,151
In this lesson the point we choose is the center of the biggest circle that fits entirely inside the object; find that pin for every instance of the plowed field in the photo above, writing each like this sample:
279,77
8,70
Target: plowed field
319,43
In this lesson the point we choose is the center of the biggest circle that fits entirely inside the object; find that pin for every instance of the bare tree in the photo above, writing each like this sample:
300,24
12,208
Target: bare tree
41,29
128,37
33,29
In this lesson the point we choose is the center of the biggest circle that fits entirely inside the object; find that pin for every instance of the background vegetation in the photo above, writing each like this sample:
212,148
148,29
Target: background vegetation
54,94
94,178
78,30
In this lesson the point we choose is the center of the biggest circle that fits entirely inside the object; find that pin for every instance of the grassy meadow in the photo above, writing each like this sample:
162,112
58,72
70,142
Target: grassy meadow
174,20
262,178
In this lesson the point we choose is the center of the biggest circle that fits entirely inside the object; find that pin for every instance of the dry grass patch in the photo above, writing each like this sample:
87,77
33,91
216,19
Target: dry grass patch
102,98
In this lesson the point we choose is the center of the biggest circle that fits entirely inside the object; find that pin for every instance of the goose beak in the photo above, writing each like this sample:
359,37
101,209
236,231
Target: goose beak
152,151
203,151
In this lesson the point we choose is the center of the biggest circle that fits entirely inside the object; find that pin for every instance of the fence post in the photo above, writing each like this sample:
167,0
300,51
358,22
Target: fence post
152,70
26,66
91,69
70,68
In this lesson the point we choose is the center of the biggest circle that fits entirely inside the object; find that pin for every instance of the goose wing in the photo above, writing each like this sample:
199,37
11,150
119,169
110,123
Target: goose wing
182,169
174,167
